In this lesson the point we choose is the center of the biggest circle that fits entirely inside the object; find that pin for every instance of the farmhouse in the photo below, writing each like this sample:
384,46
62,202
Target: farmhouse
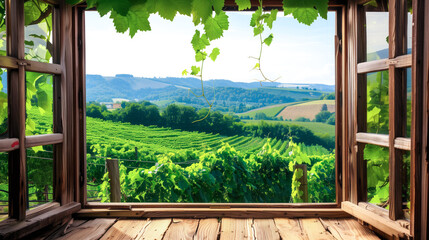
71,216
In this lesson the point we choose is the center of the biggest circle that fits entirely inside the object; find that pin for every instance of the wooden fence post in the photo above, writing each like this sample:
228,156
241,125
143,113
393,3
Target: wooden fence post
115,186
303,180
136,153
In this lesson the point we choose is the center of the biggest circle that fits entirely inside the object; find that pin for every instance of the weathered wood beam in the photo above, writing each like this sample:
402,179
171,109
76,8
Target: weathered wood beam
44,139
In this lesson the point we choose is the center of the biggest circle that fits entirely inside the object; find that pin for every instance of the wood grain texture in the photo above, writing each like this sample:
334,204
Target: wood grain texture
315,230
155,229
43,139
390,227
127,229
208,229
373,138
112,166
265,229
9,144
402,61
290,228
90,230
233,228
183,229
348,229
204,213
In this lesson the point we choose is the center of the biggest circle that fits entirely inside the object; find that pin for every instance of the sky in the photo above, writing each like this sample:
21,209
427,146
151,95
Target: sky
298,53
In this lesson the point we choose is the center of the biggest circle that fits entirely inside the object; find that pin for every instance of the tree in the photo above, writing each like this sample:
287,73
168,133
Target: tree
323,116
324,107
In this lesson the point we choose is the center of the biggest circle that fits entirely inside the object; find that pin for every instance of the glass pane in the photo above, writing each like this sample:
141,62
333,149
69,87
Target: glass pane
4,186
40,175
378,102
2,29
409,99
409,26
38,31
377,174
3,103
406,184
39,103
377,34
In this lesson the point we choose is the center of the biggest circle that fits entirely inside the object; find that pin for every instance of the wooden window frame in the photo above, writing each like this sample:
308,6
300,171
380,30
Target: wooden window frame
357,137
66,112
335,6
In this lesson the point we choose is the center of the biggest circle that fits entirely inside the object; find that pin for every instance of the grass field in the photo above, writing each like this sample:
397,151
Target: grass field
270,111
307,109
316,127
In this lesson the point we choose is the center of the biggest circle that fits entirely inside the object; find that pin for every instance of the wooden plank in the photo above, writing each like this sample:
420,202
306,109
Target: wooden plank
8,62
233,228
265,229
43,139
338,104
127,229
397,103
208,229
348,229
155,229
97,205
373,138
18,229
419,121
16,103
386,225
384,213
91,230
360,102
290,228
41,67
315,230
403,143
182,229
115,185
346,112
203,213
9,144
403,61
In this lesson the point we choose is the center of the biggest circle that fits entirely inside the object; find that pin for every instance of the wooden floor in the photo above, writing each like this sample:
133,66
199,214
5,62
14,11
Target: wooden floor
212,228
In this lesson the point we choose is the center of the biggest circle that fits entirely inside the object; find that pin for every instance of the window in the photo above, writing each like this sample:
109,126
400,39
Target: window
383,102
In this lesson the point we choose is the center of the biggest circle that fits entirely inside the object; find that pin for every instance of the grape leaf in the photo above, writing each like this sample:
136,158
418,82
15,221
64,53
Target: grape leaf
271,18
201,11
214,26
322,8
255,16
243,4
214,54
200,56
268,40
195,70
120,22
199,42
121,7
185,72
218,5
168,8
258,30
305,15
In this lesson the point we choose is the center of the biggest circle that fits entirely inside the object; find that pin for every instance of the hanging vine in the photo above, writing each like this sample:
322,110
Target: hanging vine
133,16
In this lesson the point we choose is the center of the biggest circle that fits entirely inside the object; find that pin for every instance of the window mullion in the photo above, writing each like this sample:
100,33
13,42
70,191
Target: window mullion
397,104
16,118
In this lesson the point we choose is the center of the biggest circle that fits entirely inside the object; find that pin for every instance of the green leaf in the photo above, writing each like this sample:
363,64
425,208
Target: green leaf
322,8
305,15
136,19
199,42
185,72
268,40
201,11
214,26
195,70
271,18
243,4
258,30
255,16
168,8
214,54
218,5
200,56
256,66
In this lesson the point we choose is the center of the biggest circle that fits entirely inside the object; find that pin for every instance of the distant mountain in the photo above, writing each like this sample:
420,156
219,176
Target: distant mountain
100,88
